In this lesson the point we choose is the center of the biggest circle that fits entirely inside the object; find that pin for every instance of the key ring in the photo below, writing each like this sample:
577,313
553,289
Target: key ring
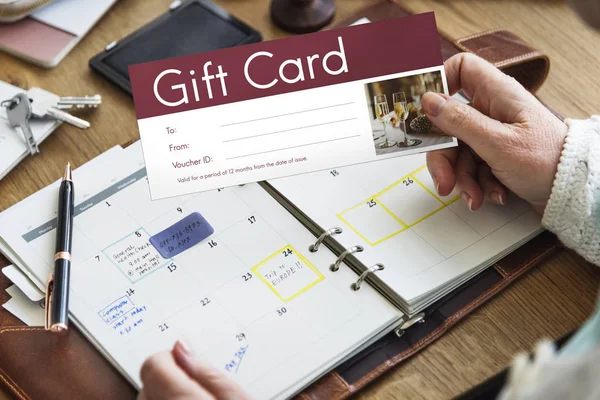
10,102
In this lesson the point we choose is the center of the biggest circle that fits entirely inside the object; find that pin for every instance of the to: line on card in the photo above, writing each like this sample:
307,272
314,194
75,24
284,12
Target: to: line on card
283,131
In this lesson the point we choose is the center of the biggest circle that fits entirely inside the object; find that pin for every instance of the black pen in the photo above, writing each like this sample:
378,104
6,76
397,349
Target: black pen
57,308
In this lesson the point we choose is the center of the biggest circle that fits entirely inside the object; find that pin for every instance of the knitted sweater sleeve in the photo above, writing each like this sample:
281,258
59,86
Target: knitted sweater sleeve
573,210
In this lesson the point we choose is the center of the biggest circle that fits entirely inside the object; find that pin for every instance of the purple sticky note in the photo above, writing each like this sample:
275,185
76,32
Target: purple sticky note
182,235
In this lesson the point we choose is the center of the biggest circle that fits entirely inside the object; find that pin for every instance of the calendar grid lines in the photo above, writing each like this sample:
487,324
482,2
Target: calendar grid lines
216,292
425,187
363,237
135,232
376,200
397,182
469,246
231,251
427,216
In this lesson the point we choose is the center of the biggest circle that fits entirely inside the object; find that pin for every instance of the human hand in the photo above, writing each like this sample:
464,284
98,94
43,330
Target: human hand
507,138
179,375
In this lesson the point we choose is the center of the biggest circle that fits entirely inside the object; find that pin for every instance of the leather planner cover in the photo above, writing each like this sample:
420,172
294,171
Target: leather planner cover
38,365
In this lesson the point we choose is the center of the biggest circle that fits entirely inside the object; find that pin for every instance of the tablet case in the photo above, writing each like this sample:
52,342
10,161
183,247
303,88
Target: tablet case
37,365
169,40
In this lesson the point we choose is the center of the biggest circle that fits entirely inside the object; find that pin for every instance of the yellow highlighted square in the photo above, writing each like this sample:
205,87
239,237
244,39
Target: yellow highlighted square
410,202
396,208
287,273
423,178
372,221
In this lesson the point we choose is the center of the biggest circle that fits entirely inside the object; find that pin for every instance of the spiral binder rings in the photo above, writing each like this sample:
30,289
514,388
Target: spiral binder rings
371,270
351,250
354,249
313,248
346,255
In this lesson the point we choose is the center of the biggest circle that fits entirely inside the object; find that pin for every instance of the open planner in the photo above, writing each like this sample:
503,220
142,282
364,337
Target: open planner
260,298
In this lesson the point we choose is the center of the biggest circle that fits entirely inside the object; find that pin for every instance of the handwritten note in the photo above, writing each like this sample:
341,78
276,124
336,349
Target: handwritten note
234,365
288,273
116,309
123,316
135,256
182,235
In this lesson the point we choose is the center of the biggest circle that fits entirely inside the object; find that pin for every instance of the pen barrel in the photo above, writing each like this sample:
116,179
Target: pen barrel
64,225
59,312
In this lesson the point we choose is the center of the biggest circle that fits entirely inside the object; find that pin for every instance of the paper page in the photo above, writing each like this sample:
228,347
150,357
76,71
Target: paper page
92,177
21,281
392,209
73,16
250,298
30,312
361,21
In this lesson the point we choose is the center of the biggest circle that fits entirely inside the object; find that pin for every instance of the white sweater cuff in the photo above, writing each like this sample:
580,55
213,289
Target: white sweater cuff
573,210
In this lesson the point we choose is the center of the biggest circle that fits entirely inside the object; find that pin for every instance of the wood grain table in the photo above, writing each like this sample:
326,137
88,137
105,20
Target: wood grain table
547,303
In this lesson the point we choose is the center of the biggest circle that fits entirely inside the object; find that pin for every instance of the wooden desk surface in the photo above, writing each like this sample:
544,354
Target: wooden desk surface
547,303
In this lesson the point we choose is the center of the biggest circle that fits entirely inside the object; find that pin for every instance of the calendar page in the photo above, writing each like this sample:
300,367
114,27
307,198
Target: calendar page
249,298
392,209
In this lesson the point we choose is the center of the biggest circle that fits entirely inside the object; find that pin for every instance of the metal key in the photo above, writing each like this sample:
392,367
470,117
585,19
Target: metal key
66,117
45,104
18,111
41,110
68,102
64,103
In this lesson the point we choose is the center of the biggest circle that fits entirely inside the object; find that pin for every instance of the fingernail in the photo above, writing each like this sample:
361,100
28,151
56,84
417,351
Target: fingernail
436,184
183,347
432,103
498,198
468,200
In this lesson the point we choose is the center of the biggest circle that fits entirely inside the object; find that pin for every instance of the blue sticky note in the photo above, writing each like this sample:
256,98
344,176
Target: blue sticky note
182,235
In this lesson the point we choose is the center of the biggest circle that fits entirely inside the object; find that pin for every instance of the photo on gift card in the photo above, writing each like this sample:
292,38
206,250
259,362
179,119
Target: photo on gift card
397,119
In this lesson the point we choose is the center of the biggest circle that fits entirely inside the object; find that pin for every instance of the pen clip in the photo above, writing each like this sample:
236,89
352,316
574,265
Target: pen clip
49,289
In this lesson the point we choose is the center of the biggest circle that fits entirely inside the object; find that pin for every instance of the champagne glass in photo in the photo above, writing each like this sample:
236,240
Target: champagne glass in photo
416,93
382,112
401,109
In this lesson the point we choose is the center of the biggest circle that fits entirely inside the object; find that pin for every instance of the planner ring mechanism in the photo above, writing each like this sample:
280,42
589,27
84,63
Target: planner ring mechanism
371,270
313,248
336,265
408,322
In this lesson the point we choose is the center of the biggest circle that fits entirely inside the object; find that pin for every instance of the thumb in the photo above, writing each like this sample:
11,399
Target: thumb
216,382
480,132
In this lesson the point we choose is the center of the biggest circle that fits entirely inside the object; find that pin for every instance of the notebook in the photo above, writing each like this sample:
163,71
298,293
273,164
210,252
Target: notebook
251,297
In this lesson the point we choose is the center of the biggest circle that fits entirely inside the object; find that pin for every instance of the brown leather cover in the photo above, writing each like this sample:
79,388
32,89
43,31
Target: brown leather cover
38,365
500,47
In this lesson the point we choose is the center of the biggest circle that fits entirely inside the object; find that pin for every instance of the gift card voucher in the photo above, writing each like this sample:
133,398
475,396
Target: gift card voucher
288,106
